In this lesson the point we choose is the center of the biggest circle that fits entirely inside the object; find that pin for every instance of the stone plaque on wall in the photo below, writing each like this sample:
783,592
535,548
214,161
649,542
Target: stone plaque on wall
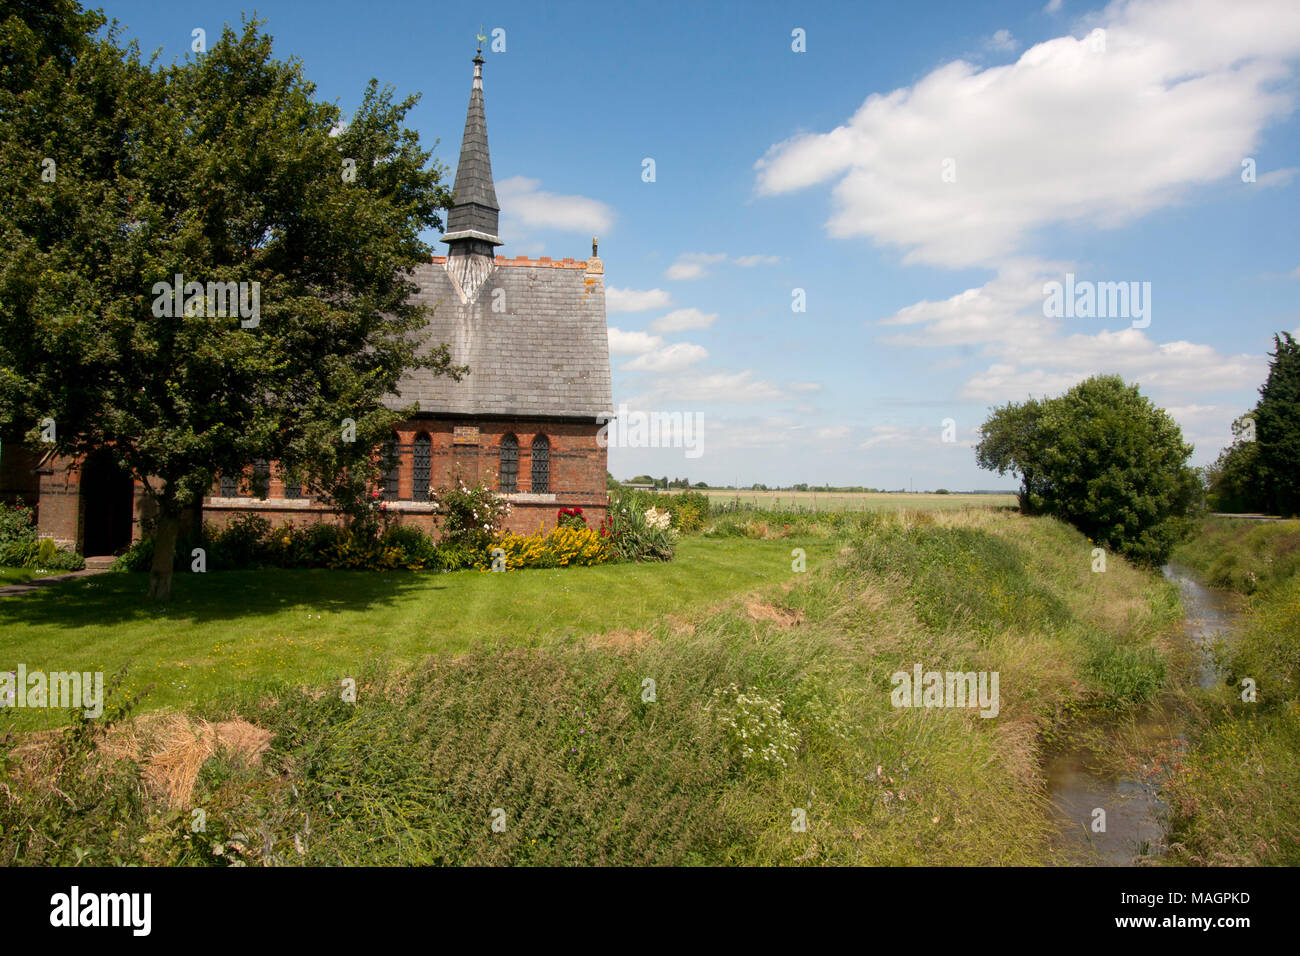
464,435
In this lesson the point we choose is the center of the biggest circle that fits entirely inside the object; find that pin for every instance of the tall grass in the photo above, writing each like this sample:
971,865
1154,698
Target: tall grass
1242,555
625,749
1235,797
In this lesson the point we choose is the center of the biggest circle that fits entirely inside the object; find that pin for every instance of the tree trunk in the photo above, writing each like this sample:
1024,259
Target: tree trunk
164,555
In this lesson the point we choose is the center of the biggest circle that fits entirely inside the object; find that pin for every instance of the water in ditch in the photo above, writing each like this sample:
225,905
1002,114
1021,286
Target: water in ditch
1085,782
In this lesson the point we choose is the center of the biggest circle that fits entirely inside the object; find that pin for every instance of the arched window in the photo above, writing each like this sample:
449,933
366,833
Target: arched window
509,472
541,465
292,489
261,479
423,461
393,473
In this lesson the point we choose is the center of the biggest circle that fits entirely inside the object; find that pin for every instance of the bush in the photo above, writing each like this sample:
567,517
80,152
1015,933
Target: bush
244,543
470,516
17,523
43,554
570,518
417,548
251,542
557,548
689,510
634,538
1101,457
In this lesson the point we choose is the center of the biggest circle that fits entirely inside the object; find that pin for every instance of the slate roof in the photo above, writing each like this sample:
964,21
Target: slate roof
545,354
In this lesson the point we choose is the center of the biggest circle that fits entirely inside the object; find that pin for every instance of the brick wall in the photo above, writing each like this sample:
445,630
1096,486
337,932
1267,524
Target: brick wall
577,480
18,480
577,475
60,515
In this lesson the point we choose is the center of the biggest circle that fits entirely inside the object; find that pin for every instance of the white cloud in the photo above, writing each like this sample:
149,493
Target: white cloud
1032,354
806,387
694,265
832,432
1001,42
670,358
1053,6
722,387
892,435
1068,133
1277,177
631,343
520,198
691,265
683,319
636,300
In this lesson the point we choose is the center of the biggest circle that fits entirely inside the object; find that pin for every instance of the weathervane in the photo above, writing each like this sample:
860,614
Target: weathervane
481,38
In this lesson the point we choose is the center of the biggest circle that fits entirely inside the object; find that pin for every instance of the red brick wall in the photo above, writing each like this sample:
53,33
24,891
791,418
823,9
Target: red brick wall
577,480
61,515
577,476
18,482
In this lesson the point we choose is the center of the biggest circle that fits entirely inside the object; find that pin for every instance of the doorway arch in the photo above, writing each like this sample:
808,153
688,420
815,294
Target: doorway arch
108,505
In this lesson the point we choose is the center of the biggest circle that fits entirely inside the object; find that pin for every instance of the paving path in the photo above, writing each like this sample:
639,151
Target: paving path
35,583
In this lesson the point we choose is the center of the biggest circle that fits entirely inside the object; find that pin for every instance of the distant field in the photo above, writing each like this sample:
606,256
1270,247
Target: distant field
856,501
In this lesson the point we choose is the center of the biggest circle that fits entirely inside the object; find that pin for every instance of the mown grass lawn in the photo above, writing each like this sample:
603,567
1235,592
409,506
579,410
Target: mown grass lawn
10,576
242,628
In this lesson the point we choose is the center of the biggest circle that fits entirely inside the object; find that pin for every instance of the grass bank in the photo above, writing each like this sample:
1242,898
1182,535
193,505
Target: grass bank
755,731
1242,555
1235,797
259,629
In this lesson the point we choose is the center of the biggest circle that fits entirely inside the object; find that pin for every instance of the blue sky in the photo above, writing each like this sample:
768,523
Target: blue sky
919,170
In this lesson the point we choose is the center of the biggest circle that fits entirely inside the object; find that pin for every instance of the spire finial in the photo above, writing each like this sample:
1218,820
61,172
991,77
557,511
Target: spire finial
593,247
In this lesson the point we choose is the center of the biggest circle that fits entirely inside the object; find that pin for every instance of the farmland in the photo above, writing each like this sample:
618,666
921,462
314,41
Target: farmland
853,500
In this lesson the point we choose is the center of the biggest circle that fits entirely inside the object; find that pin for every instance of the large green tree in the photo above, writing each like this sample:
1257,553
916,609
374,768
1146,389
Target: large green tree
1260,470
1101,457
1234,482
221,169
1277,427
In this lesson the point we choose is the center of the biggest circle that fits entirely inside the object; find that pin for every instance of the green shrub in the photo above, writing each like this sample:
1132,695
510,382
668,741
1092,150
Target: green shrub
18,554
469,515
17,523
633,538
418,549
43,554
250,542
689,510
243,543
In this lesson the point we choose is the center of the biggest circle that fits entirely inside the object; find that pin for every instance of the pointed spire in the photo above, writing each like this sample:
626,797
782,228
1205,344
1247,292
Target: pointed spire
472,222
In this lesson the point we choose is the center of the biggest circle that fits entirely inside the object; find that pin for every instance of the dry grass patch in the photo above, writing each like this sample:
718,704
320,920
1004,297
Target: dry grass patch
623,639
171,749
780,616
